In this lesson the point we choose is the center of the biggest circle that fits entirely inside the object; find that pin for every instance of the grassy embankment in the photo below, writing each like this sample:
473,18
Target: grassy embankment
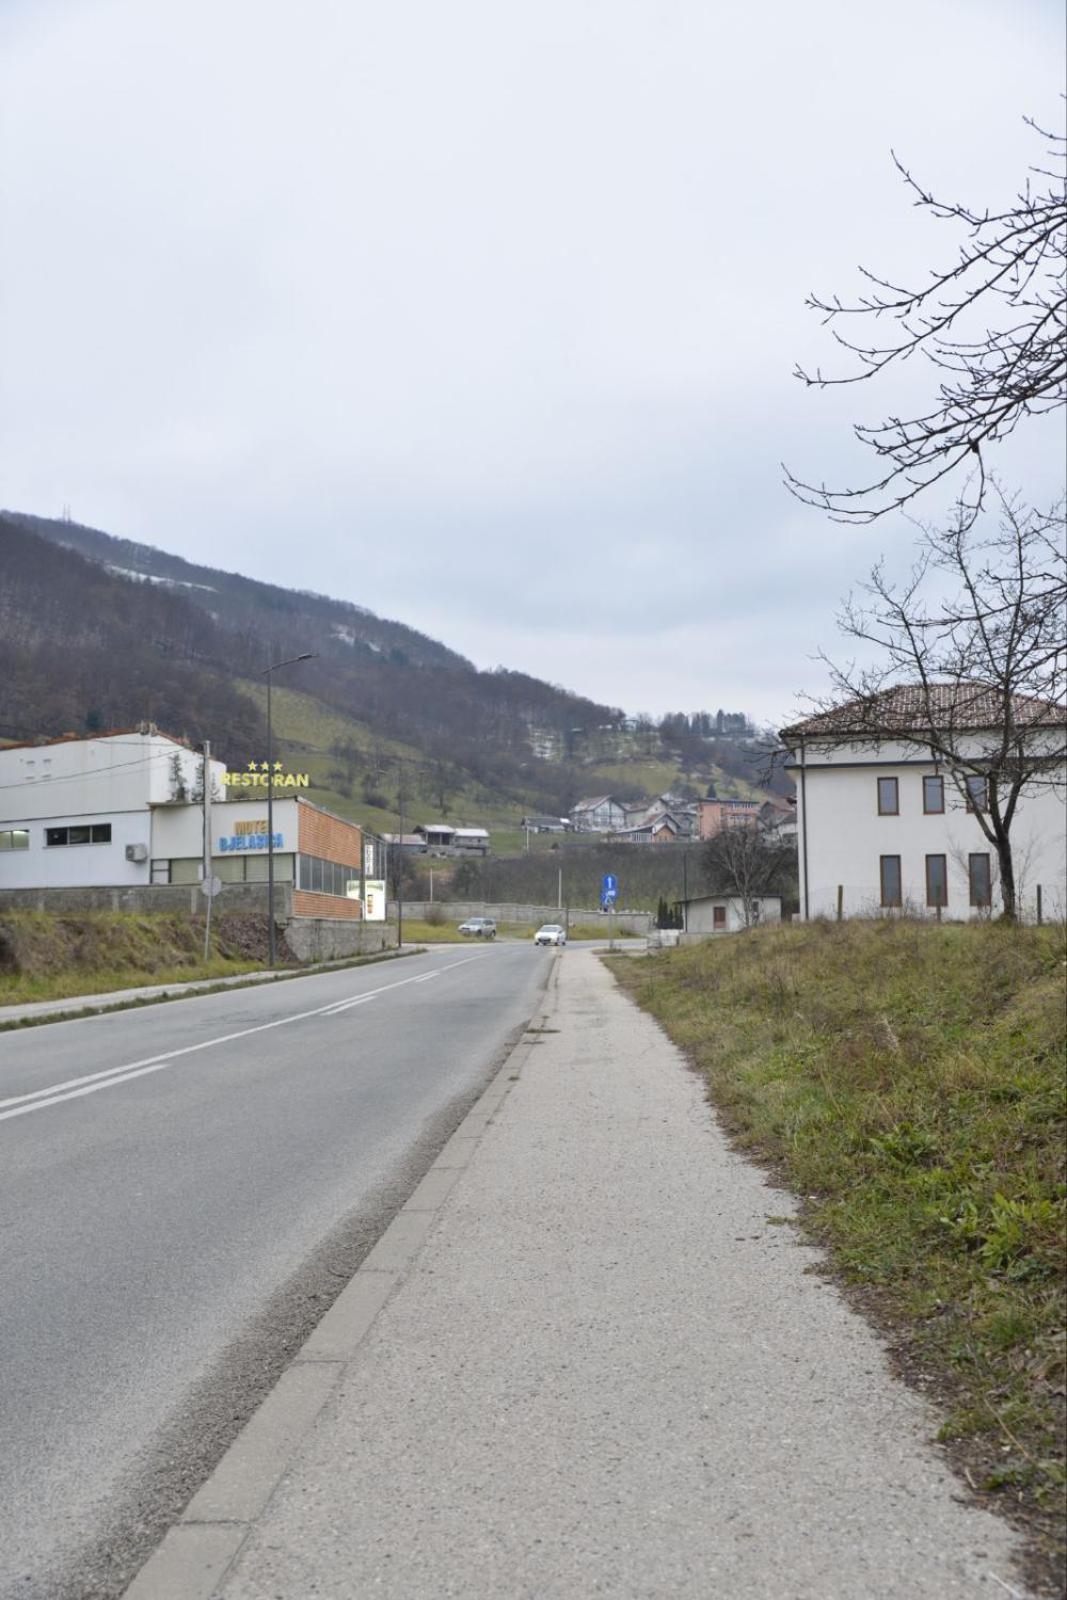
908,1080
44,956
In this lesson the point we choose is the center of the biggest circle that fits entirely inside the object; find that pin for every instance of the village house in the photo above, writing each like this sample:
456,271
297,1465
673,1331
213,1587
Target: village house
882,824
778,820
714,815
601,814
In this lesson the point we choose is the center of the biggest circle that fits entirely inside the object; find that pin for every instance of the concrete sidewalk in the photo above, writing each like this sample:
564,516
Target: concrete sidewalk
583,1361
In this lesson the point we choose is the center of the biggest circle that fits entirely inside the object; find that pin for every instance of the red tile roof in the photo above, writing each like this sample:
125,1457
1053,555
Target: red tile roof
909,708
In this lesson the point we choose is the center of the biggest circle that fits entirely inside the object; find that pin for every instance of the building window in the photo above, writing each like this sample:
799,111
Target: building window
977,794
981,880
160,872
325,877
933,795
83,833
936,881
890,880
888,797
14,838
718,916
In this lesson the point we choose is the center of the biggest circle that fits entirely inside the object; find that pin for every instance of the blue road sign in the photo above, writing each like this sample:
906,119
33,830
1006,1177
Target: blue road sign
610,883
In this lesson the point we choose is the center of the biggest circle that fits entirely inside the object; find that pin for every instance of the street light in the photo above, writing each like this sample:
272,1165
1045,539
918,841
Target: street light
272,951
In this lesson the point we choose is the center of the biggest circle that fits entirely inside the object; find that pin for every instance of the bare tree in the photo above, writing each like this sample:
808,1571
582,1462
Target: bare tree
971,665
994,327
740,862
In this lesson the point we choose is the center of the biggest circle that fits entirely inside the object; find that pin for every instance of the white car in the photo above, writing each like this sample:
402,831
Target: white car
551,933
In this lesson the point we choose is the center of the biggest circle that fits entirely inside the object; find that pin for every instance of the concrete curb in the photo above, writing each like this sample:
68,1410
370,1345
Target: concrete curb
200,1548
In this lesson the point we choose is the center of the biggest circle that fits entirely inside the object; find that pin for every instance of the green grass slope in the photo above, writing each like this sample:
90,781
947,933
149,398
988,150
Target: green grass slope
909,1081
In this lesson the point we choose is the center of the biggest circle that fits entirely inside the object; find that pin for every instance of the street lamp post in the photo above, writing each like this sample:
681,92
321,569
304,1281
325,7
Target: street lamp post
272,947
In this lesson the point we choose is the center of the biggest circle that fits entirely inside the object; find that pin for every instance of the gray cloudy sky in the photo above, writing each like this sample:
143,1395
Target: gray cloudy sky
482,313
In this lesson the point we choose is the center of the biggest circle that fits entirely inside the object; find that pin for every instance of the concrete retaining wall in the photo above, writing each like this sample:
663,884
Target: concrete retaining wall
322,939
307,938
459,910
175,897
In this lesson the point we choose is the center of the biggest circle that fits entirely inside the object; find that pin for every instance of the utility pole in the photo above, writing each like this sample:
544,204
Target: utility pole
400,858
272,943
208,862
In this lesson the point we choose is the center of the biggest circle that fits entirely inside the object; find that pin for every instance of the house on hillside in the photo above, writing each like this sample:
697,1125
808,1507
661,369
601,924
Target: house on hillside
538,824
884,824
437,835
659,829
714,815
471,840
600,814
778,820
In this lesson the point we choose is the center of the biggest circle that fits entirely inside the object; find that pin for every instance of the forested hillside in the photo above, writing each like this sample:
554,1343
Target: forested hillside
97,632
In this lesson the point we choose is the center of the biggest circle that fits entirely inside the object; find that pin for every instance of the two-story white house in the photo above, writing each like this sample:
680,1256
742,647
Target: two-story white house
885,822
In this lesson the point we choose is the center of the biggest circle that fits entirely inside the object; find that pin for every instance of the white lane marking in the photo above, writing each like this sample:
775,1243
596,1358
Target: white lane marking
36,1100
346,1005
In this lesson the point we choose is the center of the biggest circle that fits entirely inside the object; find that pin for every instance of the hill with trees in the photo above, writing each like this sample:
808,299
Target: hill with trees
98,632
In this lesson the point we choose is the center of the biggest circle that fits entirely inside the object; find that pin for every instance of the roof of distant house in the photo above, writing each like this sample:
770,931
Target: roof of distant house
909,707
471,833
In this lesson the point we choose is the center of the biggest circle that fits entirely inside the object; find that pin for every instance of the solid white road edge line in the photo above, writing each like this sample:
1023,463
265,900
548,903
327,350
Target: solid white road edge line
73,1088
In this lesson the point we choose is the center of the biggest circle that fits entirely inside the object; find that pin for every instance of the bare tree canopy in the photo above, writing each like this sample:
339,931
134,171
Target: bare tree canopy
994,327
742,863
972,651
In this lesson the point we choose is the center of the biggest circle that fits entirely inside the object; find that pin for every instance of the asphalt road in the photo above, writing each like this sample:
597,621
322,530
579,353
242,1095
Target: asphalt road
183,1189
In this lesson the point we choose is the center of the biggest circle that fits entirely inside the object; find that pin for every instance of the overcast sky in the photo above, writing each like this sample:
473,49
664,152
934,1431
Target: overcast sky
482,313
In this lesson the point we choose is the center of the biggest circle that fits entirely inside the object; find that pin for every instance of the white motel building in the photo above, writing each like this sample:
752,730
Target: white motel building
125,809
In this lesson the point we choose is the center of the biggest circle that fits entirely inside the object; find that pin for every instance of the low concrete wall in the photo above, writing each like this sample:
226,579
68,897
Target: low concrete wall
306,938
532,916
150,897
331,939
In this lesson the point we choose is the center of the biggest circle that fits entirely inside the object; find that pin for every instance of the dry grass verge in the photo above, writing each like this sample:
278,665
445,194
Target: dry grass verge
908,1080
50,956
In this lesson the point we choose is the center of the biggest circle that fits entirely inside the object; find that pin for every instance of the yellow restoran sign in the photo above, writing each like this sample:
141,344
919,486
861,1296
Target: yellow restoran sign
261,773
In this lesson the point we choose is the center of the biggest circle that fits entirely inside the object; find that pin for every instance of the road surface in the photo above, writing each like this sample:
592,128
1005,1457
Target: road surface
183,1189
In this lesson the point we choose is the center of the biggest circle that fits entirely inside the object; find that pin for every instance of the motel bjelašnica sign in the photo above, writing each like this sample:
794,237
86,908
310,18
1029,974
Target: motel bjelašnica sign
260,774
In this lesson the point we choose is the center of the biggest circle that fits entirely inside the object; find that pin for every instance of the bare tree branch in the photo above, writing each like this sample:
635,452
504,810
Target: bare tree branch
1009,276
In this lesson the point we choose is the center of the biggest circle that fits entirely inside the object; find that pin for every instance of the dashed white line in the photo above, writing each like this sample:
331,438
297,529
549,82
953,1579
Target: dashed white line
20,1105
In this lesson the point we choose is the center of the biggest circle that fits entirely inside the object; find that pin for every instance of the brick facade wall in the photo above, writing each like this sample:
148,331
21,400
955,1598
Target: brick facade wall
329,838
306,904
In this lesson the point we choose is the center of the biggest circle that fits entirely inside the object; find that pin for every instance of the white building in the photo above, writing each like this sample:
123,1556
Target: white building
78,812
883,826
725,913
125,809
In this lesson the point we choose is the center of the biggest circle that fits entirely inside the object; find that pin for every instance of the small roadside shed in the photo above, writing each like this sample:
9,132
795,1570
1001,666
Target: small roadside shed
723,913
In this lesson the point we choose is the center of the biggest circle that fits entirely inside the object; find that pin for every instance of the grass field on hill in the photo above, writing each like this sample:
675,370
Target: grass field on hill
908,1081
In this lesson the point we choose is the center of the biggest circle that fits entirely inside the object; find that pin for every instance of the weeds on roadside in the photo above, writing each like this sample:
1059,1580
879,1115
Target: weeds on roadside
908,1080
